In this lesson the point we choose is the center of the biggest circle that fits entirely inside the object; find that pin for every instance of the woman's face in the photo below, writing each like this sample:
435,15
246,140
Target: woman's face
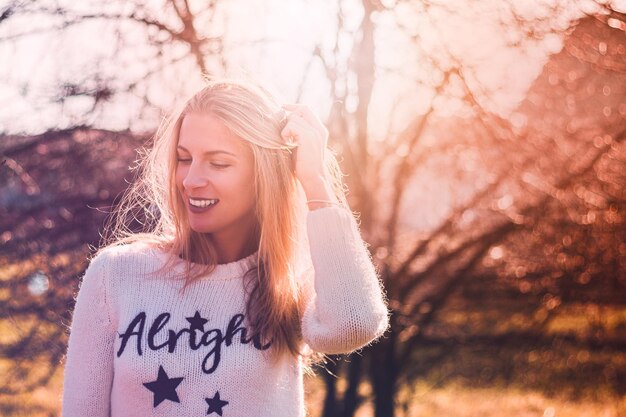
215,164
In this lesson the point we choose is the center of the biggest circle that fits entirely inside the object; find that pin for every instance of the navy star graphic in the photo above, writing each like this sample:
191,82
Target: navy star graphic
164,388
197,322
215,404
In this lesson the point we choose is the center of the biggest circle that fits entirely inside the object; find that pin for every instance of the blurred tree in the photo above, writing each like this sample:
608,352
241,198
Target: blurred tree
139,48
532,179
54,194
540,202
549,221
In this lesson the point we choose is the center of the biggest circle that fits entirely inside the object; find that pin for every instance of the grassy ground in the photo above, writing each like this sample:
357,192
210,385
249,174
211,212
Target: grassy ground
483,380
464,401
461,400
41,402
576,369
421,399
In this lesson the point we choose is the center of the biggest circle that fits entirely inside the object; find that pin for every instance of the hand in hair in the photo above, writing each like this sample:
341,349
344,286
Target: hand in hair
305,128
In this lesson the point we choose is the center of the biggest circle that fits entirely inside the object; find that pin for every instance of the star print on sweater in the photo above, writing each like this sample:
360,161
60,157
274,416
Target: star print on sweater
164,388
215,404
197,322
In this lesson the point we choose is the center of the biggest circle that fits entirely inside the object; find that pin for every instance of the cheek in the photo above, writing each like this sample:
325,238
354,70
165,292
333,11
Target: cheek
247,185
230,184
245,173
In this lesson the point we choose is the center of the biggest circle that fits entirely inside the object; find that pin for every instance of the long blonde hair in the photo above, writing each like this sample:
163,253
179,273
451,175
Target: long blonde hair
274,303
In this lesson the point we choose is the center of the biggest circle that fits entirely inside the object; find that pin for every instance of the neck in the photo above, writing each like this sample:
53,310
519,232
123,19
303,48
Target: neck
231,248
225,257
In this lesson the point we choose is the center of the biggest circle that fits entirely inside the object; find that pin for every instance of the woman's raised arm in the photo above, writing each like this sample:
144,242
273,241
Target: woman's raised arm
348,308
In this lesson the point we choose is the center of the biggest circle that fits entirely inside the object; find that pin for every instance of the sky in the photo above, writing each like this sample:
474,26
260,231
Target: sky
271,40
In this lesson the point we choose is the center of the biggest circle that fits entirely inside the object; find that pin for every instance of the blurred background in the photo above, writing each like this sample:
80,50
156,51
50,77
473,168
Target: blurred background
484,147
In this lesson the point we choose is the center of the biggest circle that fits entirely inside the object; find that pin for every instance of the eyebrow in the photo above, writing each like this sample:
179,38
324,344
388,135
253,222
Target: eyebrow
208,152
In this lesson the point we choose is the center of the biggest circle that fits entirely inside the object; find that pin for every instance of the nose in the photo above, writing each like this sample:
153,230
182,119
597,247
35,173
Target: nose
195,178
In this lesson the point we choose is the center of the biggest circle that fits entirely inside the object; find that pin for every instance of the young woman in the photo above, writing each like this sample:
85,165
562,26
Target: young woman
248,267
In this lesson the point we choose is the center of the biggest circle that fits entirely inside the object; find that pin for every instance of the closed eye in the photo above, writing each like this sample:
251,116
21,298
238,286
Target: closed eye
218,166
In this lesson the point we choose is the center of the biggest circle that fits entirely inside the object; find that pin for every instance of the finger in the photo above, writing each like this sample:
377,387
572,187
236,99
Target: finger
295,129
291,133
295,111
305,121
303,111
291,106
298,124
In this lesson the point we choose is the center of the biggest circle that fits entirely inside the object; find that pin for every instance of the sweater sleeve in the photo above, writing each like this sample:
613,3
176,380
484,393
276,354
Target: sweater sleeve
88,373
346,306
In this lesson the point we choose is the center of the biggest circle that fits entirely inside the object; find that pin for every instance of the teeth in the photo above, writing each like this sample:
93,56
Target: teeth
201,203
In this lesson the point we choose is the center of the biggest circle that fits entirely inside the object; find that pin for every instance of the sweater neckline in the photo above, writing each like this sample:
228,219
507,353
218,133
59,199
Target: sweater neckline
222,272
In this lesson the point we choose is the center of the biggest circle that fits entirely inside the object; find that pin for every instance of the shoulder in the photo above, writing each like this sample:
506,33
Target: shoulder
127,255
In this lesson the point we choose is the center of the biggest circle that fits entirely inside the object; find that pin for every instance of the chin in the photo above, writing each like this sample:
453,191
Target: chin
200,228
203,230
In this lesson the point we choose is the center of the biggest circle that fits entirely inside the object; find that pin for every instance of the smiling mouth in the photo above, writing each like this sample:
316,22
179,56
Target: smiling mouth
202,203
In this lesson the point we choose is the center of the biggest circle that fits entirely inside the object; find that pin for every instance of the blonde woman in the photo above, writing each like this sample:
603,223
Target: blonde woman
248,267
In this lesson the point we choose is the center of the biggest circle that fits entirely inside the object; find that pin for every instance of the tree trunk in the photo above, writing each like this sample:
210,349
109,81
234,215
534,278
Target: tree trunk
351,400
384,374
330,401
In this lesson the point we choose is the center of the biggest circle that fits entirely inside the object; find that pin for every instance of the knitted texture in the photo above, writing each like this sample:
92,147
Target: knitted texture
139,347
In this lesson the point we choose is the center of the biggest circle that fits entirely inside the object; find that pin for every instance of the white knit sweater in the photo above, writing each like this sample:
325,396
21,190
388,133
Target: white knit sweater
138,347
